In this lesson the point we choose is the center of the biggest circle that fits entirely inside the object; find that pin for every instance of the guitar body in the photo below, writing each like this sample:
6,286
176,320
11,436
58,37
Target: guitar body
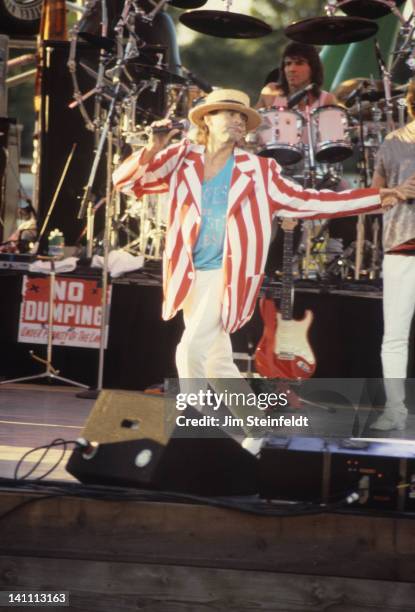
284,350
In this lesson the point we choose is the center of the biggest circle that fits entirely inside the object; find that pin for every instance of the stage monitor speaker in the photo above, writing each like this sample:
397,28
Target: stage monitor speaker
132,441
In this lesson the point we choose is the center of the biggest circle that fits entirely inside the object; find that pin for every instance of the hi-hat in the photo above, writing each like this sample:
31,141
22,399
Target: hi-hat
370,9
331,30
145,71
225,24
187,4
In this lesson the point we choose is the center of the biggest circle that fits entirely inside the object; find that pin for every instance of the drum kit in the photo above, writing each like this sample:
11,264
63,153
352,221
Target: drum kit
139,78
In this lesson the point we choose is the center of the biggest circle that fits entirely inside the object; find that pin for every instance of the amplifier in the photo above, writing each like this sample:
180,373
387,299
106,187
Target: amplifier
319,470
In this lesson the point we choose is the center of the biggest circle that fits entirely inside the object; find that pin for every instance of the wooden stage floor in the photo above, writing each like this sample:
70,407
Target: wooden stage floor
34,415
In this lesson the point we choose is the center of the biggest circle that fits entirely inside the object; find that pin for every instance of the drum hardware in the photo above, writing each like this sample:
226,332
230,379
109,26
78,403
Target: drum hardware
100,42
331,30
401,103
386,78
375,263
225,24
136,70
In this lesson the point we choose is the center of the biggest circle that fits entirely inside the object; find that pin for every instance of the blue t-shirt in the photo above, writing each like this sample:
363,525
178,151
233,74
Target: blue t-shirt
208,250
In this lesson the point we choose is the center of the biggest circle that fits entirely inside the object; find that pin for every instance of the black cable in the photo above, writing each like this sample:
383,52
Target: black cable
255,507
47,447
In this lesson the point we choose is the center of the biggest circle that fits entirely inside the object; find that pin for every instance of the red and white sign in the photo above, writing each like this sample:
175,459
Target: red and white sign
76,312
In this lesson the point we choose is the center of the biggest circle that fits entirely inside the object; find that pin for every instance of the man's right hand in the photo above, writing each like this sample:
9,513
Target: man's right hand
161,133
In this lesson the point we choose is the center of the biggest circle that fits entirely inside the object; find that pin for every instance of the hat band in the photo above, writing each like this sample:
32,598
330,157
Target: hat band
229,102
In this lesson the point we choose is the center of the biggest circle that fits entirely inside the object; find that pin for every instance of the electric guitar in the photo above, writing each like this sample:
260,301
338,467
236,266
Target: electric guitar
284,350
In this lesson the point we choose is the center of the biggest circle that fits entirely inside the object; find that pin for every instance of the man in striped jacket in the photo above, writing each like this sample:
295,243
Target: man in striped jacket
222,200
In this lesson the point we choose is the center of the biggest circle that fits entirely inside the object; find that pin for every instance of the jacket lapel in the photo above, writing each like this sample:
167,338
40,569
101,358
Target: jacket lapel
242,182
193,174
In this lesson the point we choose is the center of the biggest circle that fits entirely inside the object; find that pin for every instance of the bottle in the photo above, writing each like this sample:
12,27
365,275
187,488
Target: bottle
56,242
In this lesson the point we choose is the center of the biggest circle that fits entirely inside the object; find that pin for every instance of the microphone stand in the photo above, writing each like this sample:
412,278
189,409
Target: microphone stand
106,138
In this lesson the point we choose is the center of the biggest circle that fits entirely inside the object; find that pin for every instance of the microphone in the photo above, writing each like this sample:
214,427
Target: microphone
349,101
181,125
297,97
196,80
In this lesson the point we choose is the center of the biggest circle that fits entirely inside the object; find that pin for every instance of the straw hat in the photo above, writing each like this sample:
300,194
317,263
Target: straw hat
226,99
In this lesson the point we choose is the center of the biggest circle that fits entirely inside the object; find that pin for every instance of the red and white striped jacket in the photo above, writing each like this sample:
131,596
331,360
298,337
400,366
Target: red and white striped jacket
257,193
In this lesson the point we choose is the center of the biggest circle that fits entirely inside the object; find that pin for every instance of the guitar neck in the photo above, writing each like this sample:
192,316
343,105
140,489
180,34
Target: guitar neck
287,294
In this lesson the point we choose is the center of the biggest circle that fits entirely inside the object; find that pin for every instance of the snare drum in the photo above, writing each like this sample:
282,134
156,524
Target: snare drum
280,135
329,125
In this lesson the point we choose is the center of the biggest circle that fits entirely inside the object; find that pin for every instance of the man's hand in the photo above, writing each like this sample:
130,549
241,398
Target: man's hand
407,188
390,197
160,134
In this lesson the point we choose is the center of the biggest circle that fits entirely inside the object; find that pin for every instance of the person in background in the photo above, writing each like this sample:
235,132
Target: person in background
395,163
300,66
26,229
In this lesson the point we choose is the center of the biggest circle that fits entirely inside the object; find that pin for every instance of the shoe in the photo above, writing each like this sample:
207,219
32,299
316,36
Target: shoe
388,422
253,445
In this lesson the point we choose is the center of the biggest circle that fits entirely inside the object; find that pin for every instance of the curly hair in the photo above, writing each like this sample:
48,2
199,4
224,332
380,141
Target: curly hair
310,54
410,99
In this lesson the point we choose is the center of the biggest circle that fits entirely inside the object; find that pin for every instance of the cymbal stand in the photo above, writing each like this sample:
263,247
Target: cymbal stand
386,78
364,180
122,56
375,264
90,213
50,372
310,181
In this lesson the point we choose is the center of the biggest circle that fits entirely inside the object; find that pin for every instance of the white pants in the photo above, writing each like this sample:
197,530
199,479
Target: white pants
205,349
204,354
398,310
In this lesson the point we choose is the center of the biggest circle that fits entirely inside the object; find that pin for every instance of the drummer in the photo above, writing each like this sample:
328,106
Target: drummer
300,66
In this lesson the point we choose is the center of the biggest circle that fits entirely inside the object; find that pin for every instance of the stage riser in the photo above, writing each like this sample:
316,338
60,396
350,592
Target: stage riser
346,337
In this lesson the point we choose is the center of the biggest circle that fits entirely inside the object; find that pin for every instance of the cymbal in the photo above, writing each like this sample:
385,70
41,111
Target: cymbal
100,42
370,9
187,4
372,91
225,24
331,30
145,71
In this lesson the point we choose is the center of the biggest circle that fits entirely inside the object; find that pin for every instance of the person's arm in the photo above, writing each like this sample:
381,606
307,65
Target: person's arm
292,200
149,170
268,95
